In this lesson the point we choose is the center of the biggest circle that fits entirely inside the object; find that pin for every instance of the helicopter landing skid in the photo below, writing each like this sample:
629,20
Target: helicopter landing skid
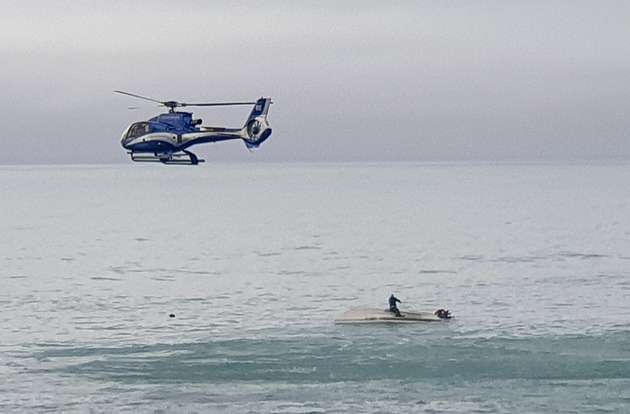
182,158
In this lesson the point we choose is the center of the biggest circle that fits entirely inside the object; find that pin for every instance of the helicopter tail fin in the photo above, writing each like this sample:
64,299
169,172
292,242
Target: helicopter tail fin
256,129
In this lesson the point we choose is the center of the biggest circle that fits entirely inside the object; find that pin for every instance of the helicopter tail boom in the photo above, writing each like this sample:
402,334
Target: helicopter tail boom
256,129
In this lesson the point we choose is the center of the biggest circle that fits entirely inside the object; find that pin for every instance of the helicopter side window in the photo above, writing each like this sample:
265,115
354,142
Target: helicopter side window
138,129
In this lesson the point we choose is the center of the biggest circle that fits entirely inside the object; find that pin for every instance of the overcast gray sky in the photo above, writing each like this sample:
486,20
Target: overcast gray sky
351,80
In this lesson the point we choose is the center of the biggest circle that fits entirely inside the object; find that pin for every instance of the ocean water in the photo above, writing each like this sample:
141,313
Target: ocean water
255,261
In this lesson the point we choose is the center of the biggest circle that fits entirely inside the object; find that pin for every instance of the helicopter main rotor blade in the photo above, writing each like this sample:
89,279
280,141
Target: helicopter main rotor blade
217,104
141,97
174,104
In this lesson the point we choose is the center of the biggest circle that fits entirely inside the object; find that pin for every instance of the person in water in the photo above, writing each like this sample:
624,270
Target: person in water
392,305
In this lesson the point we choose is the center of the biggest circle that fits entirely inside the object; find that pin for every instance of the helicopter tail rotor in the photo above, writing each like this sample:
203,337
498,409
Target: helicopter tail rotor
256,129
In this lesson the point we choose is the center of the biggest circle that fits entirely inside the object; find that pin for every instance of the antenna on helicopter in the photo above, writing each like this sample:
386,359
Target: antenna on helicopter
171,105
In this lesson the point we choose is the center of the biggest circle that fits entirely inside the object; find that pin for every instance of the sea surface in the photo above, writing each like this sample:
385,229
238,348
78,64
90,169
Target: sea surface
255,261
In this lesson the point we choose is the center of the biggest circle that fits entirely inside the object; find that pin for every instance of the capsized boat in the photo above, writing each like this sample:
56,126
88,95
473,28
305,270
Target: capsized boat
374,315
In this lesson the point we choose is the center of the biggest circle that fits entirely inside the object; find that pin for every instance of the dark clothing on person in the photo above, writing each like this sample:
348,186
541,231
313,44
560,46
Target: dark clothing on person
392,301
392,305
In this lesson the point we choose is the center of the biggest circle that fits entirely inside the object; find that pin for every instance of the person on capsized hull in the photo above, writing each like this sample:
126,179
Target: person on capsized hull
392,305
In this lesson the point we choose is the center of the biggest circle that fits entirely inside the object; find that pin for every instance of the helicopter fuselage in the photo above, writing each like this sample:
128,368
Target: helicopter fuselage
173,131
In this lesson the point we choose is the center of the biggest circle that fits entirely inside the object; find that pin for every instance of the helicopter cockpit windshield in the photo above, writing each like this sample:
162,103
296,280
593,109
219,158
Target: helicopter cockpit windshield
138,129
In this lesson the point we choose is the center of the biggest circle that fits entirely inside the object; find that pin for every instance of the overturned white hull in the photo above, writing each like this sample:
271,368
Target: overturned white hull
374,315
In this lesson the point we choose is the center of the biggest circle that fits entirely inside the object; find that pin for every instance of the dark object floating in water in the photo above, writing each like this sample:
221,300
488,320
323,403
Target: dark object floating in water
172,315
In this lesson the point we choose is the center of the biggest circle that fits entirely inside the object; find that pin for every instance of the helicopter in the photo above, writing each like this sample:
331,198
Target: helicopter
166,137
